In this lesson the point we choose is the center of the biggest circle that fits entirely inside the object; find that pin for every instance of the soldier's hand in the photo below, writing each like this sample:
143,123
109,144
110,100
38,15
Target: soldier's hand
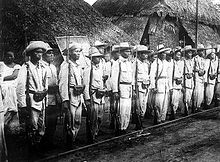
105,77
116,95
65,105
183,90
87,102
155,90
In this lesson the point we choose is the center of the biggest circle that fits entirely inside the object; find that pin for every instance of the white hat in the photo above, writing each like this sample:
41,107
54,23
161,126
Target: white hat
72,46
209,50
143,48
200,47
161,48
188,48
35,45
115,48
124,46
100,44
94,52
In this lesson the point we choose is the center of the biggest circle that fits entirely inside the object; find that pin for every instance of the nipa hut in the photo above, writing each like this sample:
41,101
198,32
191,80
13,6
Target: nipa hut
164,21
23,21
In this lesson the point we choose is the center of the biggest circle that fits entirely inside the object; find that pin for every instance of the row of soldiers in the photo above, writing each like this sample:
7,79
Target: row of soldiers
130,80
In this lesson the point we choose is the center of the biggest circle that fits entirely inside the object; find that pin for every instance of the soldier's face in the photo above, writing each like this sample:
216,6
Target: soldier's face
107,57
201,53
125,53
212,56
101,50
75,54
189,54
37,54
162,56
143,56
96,60
49,56
178,56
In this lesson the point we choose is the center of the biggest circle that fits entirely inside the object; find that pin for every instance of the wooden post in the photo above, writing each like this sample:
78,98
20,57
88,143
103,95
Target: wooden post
196,35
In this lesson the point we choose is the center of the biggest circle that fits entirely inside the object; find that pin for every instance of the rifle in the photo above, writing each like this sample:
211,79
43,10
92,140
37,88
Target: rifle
136,108
67,114
156,78
90,136
116,105
184,80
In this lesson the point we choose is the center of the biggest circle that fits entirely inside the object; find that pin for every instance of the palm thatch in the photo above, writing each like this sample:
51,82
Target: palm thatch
26,20
184,9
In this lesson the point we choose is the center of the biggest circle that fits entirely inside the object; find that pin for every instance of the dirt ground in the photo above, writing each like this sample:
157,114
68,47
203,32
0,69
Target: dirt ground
196,140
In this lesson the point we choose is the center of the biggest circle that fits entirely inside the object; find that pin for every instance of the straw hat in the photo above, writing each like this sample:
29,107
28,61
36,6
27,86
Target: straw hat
124,46
142,48
94,52
35,45
188,48
161,48
200,47
72,46
100,44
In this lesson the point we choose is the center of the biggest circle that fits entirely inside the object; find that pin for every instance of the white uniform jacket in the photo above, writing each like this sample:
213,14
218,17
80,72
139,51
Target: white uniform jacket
38,81
188,69
211,69
123,76
96,82
68,71
178,67
161,75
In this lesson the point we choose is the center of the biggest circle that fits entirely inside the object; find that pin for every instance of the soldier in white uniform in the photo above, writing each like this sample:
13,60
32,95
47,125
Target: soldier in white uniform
3,148
211,75
199,74
71,89
142,76
94,91
32,90
161,82
52,109
188,83
217,89
177,81
122,80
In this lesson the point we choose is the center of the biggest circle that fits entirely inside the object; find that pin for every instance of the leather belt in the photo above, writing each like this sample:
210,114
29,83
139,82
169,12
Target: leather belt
126,83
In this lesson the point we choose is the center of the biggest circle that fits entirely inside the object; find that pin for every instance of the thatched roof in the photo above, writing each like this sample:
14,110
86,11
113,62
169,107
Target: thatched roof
25,20
184,9
206,35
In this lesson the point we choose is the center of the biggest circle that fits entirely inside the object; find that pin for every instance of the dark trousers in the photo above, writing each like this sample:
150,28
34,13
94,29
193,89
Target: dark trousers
51,122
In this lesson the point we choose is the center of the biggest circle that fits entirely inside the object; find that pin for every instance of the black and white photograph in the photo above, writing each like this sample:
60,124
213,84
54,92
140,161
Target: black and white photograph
109,80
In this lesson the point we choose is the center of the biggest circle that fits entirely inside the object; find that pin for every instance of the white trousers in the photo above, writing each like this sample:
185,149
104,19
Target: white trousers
188,98
209,93
143,102
161,105
3,148
198,94
175,100
125,112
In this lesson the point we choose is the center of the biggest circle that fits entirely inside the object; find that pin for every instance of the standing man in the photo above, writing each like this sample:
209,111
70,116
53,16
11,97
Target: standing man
94,91
113,101
3,148
177,81
32,91
122,81
211,75
199,74
53,97
71,89
188,82
217,89
161,81
142,76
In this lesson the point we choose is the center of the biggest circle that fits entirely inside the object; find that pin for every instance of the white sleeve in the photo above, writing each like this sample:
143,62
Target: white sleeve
21,86
63,82
115,75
